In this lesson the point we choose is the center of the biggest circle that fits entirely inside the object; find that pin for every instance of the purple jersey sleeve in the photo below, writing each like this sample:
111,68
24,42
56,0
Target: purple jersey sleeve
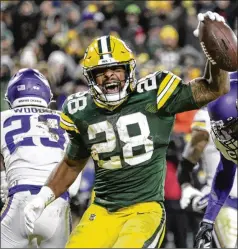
221,187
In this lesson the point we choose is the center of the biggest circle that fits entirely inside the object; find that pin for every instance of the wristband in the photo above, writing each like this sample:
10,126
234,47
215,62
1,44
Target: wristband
47,194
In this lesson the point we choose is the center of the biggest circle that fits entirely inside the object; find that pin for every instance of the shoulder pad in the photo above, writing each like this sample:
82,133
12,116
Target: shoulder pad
147,83
74,103
76,95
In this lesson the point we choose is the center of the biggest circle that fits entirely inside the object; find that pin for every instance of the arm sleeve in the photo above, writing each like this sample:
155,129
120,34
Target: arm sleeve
221,187
76,148
173,94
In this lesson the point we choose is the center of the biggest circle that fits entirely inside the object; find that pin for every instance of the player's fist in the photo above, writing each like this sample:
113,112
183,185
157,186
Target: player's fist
211,15
36,206
33,211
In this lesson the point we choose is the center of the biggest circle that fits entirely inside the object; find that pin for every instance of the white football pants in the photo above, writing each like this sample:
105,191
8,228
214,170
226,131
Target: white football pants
52,229
226,227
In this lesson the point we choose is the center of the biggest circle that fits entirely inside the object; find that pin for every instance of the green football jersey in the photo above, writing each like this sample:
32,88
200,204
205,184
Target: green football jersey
128,144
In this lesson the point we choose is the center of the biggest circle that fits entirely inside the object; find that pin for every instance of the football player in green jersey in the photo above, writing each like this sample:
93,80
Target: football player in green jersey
125,125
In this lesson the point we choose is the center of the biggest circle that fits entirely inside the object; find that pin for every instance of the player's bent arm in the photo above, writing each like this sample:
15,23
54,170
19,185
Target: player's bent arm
196,146
65,174
211,86
191,155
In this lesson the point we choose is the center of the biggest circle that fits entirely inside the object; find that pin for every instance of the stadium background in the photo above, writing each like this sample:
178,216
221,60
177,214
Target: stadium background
52,36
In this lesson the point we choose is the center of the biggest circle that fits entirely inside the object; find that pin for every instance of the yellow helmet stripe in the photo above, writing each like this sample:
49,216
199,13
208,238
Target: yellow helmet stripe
168,91
104,47
111,108
109,44
100,48
99,105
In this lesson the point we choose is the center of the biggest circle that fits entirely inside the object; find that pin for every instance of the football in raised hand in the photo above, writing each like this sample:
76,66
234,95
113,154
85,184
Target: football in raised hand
219,44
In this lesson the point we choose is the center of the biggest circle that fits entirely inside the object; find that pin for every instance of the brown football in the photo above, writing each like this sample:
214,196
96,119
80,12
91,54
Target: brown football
219,43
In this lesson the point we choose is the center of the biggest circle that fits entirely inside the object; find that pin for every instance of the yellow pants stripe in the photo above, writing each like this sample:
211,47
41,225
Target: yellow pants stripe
161,238
157,238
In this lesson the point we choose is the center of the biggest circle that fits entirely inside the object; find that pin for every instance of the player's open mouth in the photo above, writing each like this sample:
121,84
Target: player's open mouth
112,87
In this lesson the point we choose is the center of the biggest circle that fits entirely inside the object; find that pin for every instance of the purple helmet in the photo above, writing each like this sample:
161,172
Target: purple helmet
28,87
223,113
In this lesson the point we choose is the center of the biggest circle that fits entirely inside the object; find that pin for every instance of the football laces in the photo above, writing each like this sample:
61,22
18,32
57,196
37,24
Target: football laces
207,54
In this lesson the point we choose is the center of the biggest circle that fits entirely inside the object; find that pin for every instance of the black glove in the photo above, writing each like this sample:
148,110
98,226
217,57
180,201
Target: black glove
184,171
203,238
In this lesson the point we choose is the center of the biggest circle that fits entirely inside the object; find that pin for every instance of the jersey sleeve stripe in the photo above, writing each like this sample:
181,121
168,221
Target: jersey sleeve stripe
164,96
66,123
68,128
66,118
164,83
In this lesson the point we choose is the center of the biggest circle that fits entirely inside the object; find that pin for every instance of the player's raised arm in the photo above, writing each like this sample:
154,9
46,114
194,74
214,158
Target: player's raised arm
215,81
211,86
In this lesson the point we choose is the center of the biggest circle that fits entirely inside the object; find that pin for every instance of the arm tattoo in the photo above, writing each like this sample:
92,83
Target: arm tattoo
212,85
202,92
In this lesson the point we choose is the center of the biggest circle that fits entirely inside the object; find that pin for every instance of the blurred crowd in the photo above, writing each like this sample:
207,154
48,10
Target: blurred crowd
52,36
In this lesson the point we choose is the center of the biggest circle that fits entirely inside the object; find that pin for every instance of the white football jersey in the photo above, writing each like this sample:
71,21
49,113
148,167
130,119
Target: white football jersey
211,156
32,143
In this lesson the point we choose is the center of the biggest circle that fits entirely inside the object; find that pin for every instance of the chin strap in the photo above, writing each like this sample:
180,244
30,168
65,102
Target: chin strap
108,106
